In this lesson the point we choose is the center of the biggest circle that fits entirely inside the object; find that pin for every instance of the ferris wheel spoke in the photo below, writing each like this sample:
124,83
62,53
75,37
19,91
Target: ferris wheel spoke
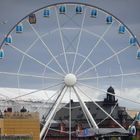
58,93
43,137
62,41
103,61
53,111
44,103
108,45
46,46
43,73
79,39
90,63
70,115
21,63
72,25
109,114
92,33
22,60
36,91
30,75
94,47
49,128
6,97
100,108
31,57
25,54
84,114
23,57
104,92
111,48
57,130
70,18
70,43
118,61
84,108
108,76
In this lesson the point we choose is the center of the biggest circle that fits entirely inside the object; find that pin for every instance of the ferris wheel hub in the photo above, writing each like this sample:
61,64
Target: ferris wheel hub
70,79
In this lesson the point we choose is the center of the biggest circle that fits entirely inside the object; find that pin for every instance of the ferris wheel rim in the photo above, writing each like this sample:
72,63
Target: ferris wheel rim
68,82
81,3
66,3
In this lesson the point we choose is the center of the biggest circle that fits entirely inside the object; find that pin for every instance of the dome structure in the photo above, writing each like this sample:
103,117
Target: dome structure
111,90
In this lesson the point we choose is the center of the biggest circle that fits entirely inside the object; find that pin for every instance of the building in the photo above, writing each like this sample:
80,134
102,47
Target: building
16,137
20,123
80,127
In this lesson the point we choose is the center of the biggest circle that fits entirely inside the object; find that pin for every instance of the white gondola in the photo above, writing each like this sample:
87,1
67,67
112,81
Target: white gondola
78,9
138,57
1,54
109,19
132,130
132,41
19,28
32,18
46,13
62,9
121,29
8,40
93,13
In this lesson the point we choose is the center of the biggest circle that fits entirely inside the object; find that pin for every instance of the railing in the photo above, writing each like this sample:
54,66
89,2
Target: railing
16,137
20,115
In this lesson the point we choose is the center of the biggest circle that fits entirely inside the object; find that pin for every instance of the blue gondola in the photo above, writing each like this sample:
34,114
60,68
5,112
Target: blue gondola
46,13
62,9
8,40
121,29
78,9
109,19
132,41
137,117
138,57
19,28
1,54
93,13
32,18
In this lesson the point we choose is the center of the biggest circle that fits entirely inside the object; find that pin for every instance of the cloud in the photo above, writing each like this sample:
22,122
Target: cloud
96,95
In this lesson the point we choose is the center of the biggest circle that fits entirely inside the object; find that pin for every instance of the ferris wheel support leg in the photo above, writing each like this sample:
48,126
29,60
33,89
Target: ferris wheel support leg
103,110
54,109
108,115
84,107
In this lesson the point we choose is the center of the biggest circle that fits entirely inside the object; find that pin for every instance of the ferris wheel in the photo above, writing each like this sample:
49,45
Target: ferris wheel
70,51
